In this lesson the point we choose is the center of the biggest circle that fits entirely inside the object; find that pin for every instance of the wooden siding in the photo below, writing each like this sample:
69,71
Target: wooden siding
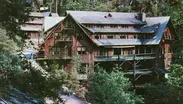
80,39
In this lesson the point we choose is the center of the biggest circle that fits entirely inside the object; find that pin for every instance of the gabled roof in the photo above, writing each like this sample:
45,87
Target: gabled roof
50,22
93,17
162,21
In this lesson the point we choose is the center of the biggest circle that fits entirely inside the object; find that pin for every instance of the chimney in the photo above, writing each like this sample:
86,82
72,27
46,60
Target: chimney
141,16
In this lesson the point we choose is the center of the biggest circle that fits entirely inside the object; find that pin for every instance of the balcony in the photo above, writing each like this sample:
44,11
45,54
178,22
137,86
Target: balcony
82,77
63,54
125,57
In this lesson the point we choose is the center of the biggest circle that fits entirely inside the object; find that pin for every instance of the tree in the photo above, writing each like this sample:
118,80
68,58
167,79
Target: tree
110,88
76,5
175,77
163,94
10,67
169,92
105,7
47,83
7,44
13,13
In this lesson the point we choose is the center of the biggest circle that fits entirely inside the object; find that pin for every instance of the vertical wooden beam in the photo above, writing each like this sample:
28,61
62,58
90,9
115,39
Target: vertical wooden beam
134,71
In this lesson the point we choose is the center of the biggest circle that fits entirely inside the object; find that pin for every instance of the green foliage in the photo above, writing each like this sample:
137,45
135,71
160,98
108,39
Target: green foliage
7,44
105,7
175,12
12,14
10,68
175,77
47,83
76,5
163,94
110,88
170,92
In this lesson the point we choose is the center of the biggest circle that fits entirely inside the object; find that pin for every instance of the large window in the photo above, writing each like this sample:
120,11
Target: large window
148,50
123,36
81,50
117,51
130,51
141,50
110,36
135,36
102,52
55,50
68,23
97,36
79,36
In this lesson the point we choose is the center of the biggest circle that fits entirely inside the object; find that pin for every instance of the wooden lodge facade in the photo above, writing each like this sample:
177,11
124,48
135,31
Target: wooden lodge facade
138,44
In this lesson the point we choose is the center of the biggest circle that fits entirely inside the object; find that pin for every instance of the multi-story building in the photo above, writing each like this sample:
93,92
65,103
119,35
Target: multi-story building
38,23
138,44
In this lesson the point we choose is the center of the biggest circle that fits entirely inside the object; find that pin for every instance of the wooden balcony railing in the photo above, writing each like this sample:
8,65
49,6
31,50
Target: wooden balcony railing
125,57
82,77
64,54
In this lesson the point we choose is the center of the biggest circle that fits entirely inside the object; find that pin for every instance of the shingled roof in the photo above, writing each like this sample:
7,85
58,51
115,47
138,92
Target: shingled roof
93,17
162,21
149,29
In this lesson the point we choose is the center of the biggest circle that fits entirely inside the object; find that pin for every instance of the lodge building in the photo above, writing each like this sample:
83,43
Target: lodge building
138,44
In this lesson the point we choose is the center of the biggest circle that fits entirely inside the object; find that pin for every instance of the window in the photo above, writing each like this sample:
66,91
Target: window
147,36
124,26
123,36
89,26
141,50
130,51
79,36
140,36
135,36
97,37
117,51
103,52
81,50
169,49
110,36
55,51
169,61
99,26
68,23
167,34
148,50
136,50
114,26
162,50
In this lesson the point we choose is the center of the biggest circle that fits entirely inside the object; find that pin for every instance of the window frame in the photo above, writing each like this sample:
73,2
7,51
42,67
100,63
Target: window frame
82,50
117,51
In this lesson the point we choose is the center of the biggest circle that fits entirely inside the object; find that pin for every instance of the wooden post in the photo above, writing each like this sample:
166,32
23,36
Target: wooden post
134,71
